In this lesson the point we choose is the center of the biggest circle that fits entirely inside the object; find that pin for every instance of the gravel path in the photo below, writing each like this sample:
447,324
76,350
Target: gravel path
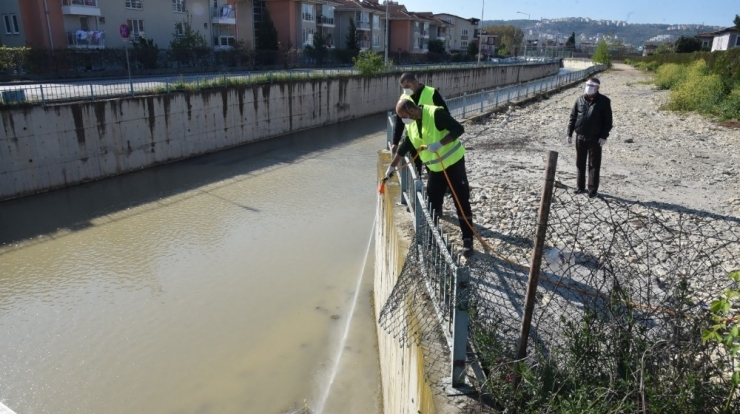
651,155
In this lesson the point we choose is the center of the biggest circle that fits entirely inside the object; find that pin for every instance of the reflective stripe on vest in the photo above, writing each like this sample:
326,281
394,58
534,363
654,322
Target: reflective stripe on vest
450,153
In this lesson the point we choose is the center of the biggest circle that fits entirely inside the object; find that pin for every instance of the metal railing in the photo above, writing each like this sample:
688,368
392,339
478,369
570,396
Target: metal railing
83,39
321,19
86,3
94,90
223,12
445,279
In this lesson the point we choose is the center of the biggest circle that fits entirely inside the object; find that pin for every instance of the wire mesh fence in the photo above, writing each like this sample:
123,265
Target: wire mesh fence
623,295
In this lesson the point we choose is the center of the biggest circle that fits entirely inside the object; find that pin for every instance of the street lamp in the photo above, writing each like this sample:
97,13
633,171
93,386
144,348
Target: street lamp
482,7
525,39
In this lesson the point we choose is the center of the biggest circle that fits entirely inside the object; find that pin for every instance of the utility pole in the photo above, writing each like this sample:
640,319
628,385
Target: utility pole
525,35
480,30
387,23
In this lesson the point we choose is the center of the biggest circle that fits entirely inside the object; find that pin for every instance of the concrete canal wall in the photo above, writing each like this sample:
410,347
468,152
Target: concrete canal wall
48,147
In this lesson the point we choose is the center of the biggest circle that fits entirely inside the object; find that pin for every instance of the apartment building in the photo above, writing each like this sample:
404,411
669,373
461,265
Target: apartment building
462,31
438,30
27,23
92,24
369,18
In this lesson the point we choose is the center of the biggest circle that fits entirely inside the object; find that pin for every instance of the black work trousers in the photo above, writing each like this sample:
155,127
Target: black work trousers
437,186
588,149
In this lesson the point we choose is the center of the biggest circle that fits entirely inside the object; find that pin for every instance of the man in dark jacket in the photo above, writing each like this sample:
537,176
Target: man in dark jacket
591,120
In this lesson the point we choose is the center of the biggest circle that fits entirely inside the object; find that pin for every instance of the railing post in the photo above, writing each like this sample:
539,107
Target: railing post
418,215
43,101
404,179
465,104
92,93
482,91
534,269
167,84
460,326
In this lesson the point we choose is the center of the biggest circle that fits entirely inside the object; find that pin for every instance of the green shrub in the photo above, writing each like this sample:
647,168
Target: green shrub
368,63
730,107
669,75
702,93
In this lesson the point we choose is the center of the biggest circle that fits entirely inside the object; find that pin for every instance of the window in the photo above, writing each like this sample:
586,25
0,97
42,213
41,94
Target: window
134,4
137,28
307,12
11,24
376,22
464,44
84,25
464,32
308,36
179,29
376,40
179,6
737,39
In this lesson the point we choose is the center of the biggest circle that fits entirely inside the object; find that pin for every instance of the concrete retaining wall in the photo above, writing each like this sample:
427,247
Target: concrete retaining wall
43,148
404,372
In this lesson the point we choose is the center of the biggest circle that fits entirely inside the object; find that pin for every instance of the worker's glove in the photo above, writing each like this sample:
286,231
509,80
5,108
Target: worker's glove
570,139
602,142
389,172
434,147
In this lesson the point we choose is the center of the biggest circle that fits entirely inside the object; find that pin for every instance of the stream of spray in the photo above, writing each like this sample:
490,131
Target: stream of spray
343,341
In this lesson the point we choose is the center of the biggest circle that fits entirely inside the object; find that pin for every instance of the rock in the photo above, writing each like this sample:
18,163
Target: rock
629,140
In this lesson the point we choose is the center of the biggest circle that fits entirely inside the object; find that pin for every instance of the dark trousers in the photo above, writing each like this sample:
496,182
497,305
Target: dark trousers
591,150
437,185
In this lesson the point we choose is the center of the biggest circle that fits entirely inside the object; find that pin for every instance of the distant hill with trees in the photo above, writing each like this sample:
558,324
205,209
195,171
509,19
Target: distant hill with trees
589,30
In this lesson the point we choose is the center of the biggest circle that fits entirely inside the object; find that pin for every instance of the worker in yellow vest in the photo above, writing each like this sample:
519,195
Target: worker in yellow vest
420,94
434,133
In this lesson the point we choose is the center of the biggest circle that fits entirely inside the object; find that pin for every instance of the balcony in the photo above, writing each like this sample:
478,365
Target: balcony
326,21
223,15
81,39
425,33
364,44
80,7
362,25
307,17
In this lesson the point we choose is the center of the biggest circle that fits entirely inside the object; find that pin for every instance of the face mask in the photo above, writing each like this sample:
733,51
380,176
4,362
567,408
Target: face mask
407,120
408,92
590,90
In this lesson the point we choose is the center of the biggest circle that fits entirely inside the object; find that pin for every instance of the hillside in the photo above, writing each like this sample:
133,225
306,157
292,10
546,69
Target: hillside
588,30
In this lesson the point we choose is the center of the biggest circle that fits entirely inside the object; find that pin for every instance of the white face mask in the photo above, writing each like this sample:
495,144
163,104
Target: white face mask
590,90
407,120
408,92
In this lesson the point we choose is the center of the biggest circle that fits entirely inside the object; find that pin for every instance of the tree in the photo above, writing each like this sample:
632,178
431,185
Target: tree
146,52
351,40
473,49
511,35
686,44
570,44
266,34
737,22
436,46
601,55
317,49
187,45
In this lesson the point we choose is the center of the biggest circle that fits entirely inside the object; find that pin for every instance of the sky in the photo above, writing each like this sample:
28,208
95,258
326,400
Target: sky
707,12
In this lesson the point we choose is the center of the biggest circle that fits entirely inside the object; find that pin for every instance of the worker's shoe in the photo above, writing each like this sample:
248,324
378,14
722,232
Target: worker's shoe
467,249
